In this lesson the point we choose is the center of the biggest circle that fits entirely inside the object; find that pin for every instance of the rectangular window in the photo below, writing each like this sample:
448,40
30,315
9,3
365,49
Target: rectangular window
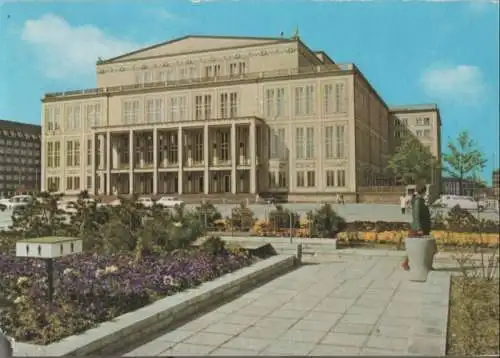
154,110
304,100
177,108
233,104
76,154
198,110
310,143
311,179
203,107
299,143
427,133
69,153
57,154
93,112
420,133
50,155
301,180
166,75
341,178
89,152
340,98
73,117
330,178
54,183
269,105
52,118
419,121
89,182
328,99
340,141
224,105
207,106
427,121
130,111
329,142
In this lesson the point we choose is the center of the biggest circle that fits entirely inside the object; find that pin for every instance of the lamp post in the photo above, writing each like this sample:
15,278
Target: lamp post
47,249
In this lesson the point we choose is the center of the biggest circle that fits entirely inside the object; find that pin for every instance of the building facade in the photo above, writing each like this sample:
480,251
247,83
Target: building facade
20,157
211,115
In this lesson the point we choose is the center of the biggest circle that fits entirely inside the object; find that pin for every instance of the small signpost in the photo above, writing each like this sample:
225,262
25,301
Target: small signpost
48,248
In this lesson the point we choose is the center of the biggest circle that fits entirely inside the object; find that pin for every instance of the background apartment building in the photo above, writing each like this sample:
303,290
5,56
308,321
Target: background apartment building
495,182
212,115
19,157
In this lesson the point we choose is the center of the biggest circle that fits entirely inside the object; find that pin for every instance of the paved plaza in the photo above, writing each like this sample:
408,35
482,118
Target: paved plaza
353,306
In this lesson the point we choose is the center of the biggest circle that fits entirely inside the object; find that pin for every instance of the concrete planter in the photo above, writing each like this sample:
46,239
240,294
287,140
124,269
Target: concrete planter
420,251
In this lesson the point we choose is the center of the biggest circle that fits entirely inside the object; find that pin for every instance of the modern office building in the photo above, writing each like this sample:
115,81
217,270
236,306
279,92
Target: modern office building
207,115
20,151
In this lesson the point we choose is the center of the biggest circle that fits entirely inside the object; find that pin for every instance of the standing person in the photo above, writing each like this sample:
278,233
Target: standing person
342,199
421,223
338,198
403,201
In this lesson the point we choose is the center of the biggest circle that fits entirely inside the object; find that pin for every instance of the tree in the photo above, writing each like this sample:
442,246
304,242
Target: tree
325,222
464,160
412,162
281,218
242,218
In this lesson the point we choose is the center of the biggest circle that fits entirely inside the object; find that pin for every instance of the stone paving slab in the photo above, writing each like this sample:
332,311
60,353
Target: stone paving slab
345,307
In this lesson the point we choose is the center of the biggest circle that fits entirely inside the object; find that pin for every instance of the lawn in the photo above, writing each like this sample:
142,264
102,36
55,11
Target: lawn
474,317
90,289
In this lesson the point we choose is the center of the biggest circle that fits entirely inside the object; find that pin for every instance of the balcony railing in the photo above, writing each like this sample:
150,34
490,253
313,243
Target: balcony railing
205,80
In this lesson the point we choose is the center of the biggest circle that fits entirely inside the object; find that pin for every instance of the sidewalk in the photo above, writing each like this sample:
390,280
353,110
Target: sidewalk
347,307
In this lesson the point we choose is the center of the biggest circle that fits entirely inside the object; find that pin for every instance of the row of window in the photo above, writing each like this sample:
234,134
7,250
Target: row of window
17,169
334,178
175,108
190,71
20,152
18,160
419,121
19,143
334,139
17,177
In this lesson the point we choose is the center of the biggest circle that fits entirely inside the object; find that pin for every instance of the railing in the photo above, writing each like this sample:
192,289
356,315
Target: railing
205,80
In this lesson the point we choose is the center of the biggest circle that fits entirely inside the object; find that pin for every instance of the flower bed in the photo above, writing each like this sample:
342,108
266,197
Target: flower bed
90,289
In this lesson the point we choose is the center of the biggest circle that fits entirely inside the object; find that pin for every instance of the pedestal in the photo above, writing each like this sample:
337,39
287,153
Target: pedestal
420,251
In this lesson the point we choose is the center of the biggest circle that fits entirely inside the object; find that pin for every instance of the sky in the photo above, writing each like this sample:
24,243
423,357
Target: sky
428,51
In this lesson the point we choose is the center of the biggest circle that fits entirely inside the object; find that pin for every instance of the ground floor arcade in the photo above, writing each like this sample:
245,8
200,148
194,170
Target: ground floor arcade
184,160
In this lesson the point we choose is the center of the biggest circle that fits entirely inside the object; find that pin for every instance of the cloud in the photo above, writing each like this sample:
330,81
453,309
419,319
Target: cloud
66,51
462,83
160,13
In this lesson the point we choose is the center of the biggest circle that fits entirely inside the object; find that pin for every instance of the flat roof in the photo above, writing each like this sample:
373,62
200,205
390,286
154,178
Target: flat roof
414,107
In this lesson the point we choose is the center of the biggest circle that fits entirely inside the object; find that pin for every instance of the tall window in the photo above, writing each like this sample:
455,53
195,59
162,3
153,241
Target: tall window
330,178
328,99
277,145
335,178
304,100
54,183
154,110
299,143
301,180
72,153
340,141
73,117
90,152
310,143
233,104
340,98
130,111
203,107
212,71
57,154
329,142
50,155
177,108
311,178
224,105
52,118
93,112
341,178
275,102
69,153
144,77
223,139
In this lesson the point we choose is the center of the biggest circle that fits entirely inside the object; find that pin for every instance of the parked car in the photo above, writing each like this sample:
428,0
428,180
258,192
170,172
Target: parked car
169,202
465,202
146,201
17,201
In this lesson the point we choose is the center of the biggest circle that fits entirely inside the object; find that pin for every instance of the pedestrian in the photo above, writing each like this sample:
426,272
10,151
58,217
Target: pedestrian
342,199
338,198
403,202
421,218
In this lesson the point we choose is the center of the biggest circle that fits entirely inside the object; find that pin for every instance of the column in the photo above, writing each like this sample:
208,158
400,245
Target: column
116,159
108,163
180,145
155,161
253,162
233,157
102,151
131,162
206,153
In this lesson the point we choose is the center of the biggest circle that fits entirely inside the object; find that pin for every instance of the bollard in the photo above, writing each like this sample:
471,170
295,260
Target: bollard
298,254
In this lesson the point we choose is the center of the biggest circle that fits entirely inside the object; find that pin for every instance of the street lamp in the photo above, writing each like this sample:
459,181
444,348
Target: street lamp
47,249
